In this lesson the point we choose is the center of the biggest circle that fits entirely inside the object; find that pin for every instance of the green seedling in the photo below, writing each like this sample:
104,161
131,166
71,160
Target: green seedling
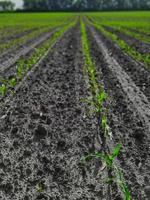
20,68
122,184
12,82
40,187
96,102
108,159
24,65
99,100
105,127
131,51
3,90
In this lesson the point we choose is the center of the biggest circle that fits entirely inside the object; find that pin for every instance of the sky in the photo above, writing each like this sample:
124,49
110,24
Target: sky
18,3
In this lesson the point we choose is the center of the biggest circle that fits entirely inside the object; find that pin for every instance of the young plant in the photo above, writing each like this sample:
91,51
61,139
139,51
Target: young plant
96,102
12,82
106,129
108,159
131,51
98,95
3,90
99,99
20,68
121,183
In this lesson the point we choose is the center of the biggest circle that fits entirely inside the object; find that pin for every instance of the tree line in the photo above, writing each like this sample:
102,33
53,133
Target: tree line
77,5
80,5
6,5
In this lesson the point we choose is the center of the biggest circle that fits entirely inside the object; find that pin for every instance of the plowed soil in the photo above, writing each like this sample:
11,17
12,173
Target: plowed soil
45,130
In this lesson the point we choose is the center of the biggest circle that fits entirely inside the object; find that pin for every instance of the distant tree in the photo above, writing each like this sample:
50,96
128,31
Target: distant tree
7,6
85,4
144,4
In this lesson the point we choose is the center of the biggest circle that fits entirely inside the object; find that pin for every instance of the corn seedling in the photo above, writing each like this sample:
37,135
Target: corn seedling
3,90
12,82
131,51
106,129
108,160
121,183
20,68
96,102
98,94
24,65
40,187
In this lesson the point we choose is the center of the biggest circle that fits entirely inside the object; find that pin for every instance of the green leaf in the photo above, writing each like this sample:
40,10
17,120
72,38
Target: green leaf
3,90
116,151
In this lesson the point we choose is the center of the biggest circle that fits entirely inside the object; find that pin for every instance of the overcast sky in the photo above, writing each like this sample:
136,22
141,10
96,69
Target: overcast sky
18,3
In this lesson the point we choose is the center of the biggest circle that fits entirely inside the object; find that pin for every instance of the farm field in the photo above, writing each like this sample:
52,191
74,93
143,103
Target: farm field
75,106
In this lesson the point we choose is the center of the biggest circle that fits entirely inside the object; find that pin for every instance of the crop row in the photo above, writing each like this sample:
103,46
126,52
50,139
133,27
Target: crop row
25,65
36,30
131,24
15,28
132,33
131,20
10,32
22,40
144,58
97,103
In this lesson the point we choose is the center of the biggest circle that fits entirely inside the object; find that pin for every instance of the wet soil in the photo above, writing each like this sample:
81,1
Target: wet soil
126,121
139,46
43,132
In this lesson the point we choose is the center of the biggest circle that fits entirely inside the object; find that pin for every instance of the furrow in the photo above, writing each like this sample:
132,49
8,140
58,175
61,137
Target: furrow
138,99
127,121
47,130
11,61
